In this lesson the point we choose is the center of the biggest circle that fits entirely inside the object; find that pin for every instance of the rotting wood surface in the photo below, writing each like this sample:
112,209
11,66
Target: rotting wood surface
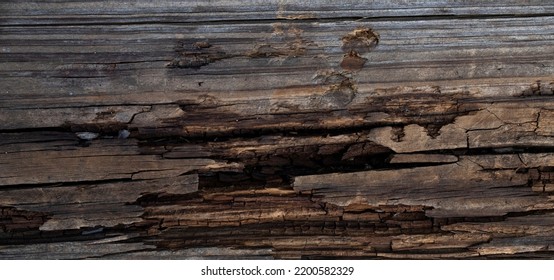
278,130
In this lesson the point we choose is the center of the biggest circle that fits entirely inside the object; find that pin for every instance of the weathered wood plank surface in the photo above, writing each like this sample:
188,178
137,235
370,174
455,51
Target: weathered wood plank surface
91,12
123,76
279,129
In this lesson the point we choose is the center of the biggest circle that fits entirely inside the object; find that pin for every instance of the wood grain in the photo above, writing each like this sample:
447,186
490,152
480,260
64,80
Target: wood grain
282,129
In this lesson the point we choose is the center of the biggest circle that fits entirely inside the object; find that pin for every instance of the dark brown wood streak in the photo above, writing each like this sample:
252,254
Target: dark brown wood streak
283,130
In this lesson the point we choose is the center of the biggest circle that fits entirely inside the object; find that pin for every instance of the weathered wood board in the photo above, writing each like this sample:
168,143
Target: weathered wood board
276,129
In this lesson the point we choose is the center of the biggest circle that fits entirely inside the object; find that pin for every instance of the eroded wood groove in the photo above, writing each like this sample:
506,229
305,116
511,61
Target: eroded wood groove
178,130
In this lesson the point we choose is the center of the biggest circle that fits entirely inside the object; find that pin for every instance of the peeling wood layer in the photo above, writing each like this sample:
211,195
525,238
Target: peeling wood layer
185,130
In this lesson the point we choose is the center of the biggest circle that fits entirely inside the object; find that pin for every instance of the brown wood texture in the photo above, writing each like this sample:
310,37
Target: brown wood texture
276,129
